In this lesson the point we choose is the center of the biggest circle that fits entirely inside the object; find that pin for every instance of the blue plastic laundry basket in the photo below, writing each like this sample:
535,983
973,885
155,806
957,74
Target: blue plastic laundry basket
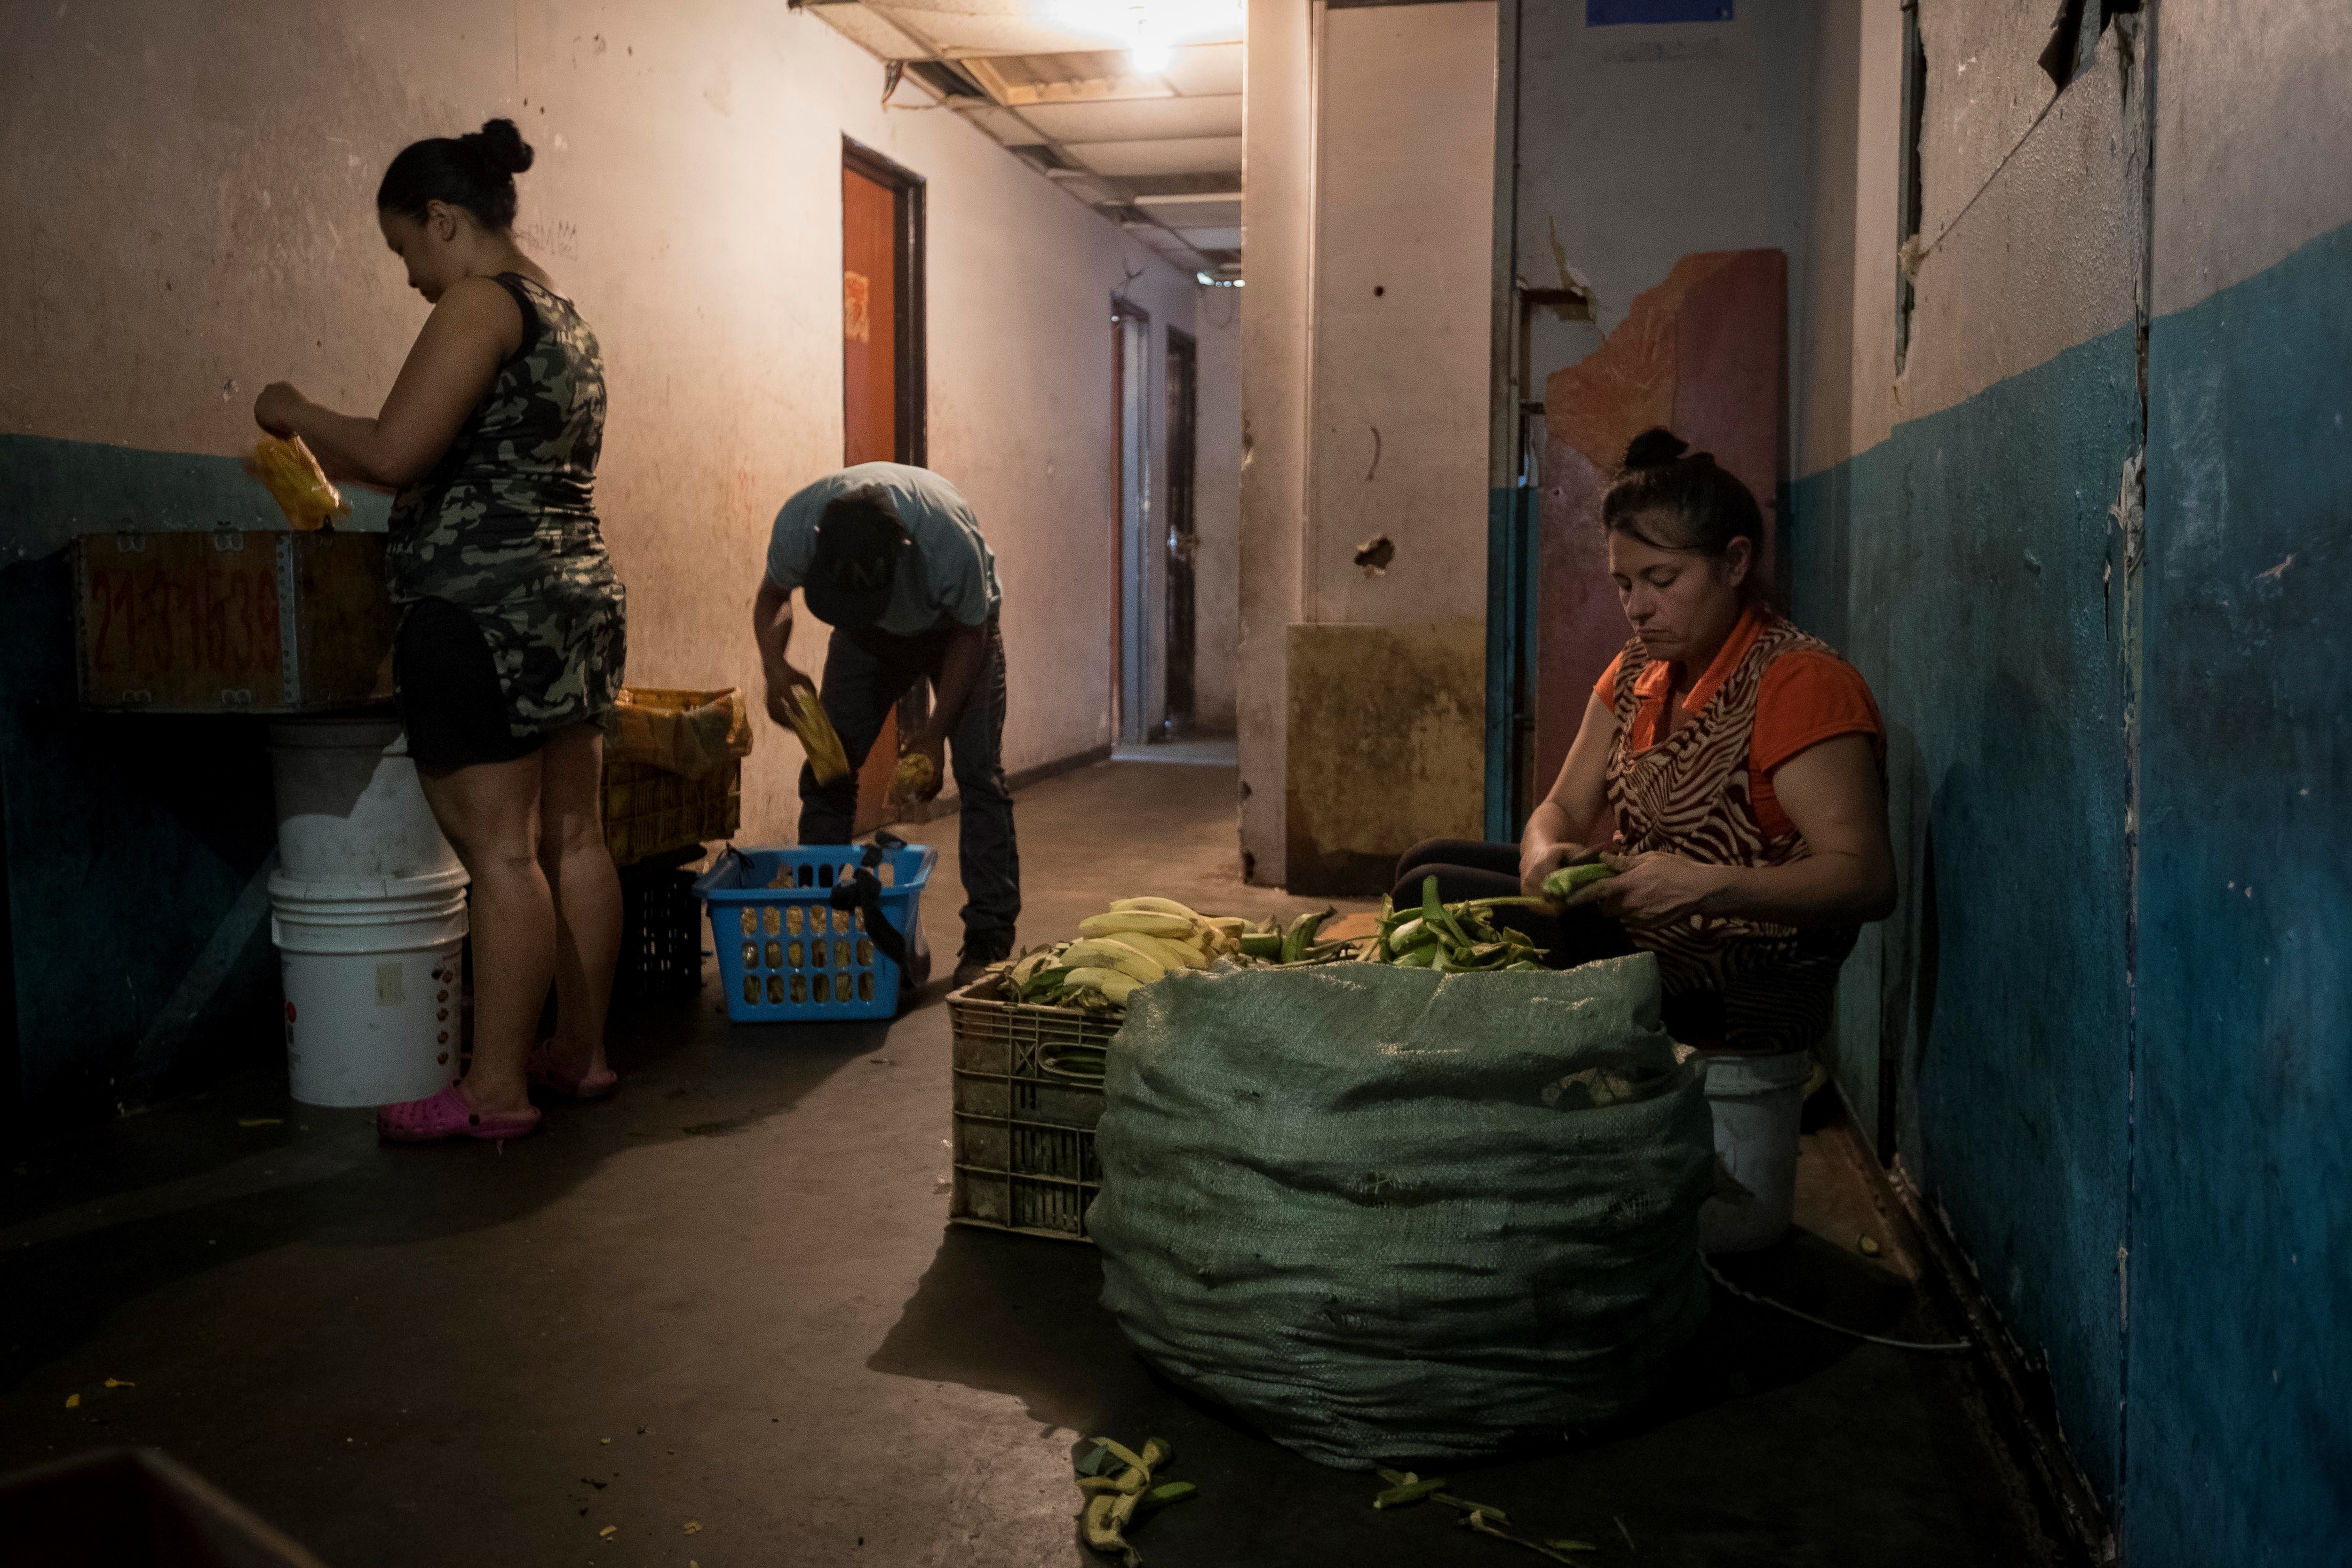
786,954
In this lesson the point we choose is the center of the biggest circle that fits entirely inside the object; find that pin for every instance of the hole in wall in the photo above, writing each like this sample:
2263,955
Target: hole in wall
2075,36
1911,207
1375,555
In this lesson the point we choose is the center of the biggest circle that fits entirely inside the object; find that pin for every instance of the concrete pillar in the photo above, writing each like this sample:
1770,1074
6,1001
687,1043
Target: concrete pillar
1368,214
1278,240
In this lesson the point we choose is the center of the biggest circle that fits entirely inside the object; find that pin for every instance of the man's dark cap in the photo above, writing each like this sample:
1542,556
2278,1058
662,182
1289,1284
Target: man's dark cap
859,545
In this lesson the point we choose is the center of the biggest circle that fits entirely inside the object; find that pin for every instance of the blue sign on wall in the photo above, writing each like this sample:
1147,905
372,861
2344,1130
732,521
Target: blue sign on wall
1609,13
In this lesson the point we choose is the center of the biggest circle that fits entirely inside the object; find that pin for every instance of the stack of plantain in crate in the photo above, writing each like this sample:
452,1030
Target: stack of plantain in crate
1032,1035
1030,1041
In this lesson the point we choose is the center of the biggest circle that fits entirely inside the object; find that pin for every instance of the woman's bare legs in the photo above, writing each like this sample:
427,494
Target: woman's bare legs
587,892
490,813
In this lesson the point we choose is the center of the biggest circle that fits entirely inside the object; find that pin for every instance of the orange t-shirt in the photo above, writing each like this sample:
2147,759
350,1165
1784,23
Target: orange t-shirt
1806,697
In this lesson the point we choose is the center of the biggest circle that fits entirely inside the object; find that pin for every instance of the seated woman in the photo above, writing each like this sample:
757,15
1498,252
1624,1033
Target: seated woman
1740,765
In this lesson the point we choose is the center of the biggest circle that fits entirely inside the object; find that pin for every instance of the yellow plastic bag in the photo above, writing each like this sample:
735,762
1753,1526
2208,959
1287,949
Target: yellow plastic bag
915,780
827,758
296,482
691,732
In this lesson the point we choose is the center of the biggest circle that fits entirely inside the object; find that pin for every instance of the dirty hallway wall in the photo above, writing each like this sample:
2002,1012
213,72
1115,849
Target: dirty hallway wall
196,190
2070,536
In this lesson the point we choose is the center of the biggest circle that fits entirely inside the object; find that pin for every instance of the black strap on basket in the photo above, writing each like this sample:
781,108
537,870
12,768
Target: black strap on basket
862,890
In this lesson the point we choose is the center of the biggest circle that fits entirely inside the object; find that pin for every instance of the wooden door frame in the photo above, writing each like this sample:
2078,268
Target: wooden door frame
909,350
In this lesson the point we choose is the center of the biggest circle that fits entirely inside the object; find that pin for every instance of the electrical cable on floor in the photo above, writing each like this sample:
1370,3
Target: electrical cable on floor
1950,1347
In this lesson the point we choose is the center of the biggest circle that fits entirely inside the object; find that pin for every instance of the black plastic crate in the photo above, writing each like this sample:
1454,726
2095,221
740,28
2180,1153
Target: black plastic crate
661,933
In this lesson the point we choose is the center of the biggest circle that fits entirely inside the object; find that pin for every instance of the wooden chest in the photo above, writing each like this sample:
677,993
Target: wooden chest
226,621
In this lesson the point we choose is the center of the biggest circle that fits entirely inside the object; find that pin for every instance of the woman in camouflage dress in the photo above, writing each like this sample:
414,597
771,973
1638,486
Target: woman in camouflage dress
512,632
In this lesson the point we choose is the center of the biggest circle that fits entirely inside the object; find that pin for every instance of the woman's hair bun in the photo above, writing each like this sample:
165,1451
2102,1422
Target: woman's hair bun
500,147
1653,449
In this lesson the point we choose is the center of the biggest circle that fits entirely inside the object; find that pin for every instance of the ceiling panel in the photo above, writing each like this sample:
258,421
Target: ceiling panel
1091,77
1217,154
1207,70
985,27
980,27
1090,189
1219,211
871,32
1001,123
1162,151
1212,238
1142,119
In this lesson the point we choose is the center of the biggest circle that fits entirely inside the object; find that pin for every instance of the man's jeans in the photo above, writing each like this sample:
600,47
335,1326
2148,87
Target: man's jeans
866,673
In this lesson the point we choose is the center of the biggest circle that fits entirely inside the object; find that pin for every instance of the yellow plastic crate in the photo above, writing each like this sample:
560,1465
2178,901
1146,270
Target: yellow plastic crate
651,809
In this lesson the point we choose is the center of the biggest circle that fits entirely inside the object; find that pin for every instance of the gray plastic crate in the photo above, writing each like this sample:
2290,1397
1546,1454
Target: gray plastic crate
1024,1140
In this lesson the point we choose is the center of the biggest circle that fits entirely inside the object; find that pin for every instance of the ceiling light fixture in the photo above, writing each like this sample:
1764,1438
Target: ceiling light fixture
1149,53
1149,30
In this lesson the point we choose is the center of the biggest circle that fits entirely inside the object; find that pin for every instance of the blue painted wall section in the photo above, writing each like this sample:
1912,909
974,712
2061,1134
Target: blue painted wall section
2241,1391
128,839
1963,566
2060,1098
51,490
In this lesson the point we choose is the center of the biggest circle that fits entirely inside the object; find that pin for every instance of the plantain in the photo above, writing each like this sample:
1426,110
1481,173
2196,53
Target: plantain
1157,907
1110,952
1569,878
1115,986
1148,922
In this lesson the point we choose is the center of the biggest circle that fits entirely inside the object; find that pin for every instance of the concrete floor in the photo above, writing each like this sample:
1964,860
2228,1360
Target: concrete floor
730,1299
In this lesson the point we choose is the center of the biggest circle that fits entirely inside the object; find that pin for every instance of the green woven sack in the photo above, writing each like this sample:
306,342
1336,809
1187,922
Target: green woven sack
1392,1215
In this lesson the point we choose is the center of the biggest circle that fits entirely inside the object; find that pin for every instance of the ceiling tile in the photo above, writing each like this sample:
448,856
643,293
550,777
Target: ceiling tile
1142,119
1212,238
1207,70
1004,124
870,31
1221,154
1095,77
1218,211
985,27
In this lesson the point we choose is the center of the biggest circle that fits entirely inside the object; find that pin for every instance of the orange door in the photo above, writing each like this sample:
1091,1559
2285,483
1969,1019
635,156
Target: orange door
869,316
869,398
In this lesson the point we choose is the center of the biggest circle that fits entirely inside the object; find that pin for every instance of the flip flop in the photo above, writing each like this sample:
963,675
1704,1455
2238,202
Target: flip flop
544,1074
447,1115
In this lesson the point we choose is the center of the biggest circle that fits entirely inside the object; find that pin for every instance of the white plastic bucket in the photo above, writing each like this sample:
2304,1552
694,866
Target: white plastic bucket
372,973
349,806
1757,1102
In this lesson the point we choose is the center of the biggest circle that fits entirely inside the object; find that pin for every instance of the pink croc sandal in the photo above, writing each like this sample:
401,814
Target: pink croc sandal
447,1115
544,1074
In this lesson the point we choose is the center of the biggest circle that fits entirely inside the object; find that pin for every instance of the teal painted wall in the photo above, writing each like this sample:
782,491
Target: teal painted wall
52,491
1962,565
2085,1117
129,840
2240,1388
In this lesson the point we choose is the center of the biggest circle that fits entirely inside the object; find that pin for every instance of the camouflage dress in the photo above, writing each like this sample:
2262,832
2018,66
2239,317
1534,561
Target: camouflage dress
505,525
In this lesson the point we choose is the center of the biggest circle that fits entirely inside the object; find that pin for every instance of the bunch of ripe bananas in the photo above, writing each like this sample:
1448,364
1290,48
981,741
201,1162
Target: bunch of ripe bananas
827,758
1135,942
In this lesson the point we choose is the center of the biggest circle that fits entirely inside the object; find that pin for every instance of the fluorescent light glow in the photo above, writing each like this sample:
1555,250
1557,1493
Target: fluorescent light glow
1150,30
